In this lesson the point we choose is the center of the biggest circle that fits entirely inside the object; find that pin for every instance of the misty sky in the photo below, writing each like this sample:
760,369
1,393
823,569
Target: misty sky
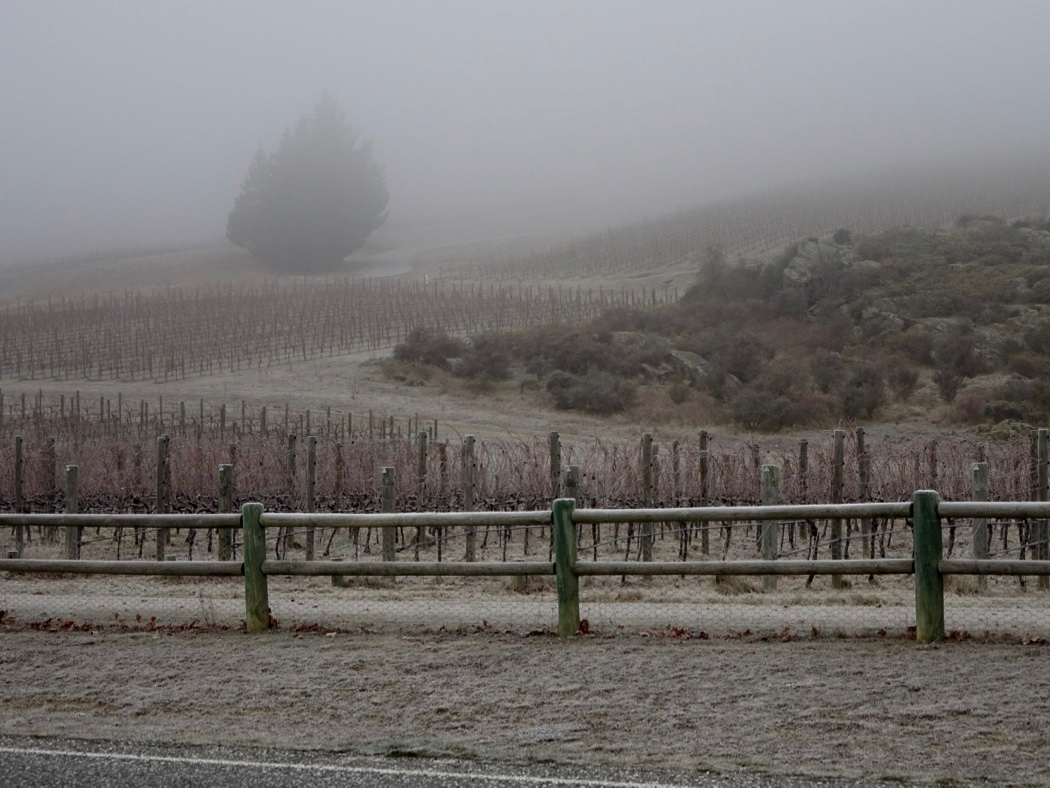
128,123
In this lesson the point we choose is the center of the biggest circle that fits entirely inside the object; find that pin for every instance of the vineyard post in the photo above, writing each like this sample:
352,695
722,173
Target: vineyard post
262,423
222,419
683,528
469,470
225,507
705,527
838,459
256,594
20,531
72,531
289,474
387,500
979,525
52,473
1041,491
311,467
161,505
565,567
570,488
555,474
554,440
929,582
182,419
647,495
421,482
770,528
864,473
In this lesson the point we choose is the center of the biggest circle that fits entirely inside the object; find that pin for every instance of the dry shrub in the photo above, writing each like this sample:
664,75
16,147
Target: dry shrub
410,373
733,585
970,406
595,392
1029,365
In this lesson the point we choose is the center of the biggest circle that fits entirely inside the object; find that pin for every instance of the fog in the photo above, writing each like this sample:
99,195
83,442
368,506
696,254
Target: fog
130,123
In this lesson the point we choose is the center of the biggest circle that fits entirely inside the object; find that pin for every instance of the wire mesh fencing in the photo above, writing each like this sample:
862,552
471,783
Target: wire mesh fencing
414,578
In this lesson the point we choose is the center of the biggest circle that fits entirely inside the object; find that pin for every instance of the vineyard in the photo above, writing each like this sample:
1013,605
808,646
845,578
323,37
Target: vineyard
333,464
175,334
116,458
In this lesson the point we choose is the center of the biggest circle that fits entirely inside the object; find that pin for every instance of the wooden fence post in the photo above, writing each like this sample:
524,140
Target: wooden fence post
979,525
646,532
387,501
71,507
50,460
20,531
256,594
770,528
838,461
555,454
311,480
864,477
469,470
161,503
421,485
565,567
929,582
225,507
1043,526
705,527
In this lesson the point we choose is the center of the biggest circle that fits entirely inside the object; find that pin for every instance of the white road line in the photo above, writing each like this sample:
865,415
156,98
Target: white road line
320,767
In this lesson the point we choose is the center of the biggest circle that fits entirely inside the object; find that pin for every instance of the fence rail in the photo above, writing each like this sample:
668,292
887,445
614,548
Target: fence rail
925,510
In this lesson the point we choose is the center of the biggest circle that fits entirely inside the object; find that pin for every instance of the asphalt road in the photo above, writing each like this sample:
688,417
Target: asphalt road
65,762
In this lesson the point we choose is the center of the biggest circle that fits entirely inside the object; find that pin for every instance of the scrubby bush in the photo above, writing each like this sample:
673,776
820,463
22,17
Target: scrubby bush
595,392
679,392
948,382
903,381
738,353
957,351
1001,410
1029,365
828,370
761,410
423,346
915,343
863,391
487,357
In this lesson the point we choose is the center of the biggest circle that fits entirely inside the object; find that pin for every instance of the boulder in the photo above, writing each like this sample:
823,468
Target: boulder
812,260
690,365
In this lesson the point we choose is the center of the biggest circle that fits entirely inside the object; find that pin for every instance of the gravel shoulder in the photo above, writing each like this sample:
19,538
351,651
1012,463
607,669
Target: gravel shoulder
852,707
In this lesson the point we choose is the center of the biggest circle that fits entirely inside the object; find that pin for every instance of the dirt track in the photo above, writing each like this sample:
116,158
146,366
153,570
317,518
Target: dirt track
856,707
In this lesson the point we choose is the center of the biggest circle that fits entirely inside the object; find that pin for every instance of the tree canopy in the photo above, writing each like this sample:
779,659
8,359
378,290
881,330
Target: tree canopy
313,201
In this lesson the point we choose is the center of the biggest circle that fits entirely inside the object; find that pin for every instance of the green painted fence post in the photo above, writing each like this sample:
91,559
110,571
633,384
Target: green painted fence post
256,595
565,567
929,582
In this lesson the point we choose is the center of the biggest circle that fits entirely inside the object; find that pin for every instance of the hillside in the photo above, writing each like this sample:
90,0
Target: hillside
943,326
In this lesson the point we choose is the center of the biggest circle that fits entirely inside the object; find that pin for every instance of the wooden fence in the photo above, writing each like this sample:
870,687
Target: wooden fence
926,511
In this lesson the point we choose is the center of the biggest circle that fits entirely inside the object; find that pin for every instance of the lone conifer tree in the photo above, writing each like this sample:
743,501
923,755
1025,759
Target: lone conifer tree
315,200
